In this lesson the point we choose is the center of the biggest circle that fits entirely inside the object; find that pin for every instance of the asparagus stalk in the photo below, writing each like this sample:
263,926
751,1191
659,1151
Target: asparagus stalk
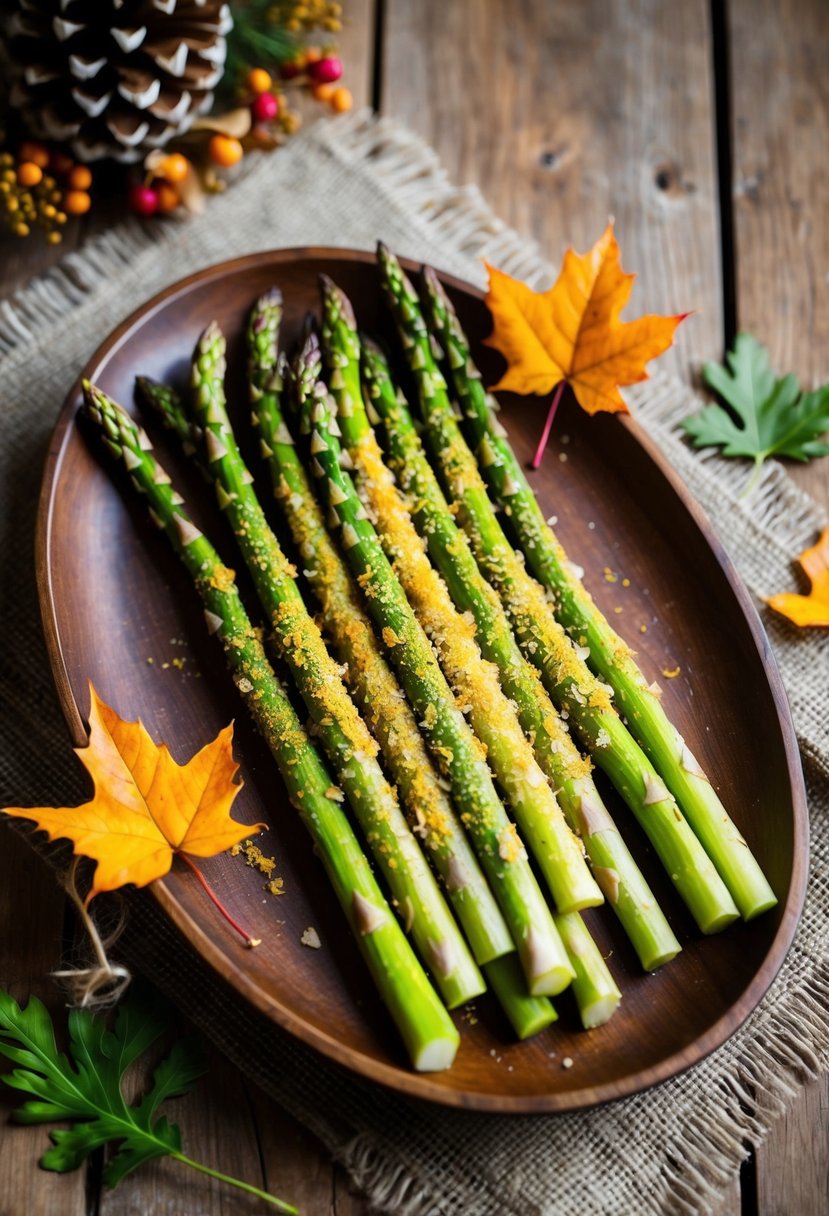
583,699
492,715
370,680
458,753
427,1031
613,866
527,1014
609,655
344,736
594,988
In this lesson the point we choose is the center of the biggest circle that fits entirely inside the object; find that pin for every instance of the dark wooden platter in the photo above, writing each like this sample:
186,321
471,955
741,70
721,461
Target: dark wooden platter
118,610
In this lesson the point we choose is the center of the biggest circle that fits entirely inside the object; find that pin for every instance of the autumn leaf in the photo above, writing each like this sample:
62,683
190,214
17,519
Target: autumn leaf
146,807
811,609
573,333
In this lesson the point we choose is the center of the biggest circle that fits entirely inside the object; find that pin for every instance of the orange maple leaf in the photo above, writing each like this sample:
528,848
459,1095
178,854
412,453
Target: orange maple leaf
811,609
146,807
573,332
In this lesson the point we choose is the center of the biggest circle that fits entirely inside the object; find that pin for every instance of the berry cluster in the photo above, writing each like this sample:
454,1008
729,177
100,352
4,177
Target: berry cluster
41,187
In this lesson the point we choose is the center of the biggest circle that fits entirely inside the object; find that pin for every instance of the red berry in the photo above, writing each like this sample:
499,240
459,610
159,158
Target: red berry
265,108
290,69
143,200
324,71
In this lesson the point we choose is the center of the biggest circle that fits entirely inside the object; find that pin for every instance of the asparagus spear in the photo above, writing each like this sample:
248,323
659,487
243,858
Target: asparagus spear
614,867
458,753
429,1035
579,695
370,680
455,637
609,655
344,736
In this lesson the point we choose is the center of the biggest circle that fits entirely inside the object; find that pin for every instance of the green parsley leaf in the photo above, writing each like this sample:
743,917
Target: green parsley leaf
86,1086
771,417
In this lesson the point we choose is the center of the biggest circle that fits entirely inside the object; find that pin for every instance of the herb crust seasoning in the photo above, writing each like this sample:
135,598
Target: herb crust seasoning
367,674
542,953
581,698
427,1030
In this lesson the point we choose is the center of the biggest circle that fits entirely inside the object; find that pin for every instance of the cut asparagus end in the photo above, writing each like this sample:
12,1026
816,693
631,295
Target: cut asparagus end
652,962
593,987
597,1012
528,1015
437,1055
718,921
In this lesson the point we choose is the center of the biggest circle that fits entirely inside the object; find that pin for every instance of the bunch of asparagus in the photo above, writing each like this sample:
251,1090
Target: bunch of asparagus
441,679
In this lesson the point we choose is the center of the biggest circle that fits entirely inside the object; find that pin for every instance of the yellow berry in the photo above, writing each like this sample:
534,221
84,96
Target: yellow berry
12,203
225,151
34,152
341,101
54,238
49,211
60,217
29,174
77,202
259,81
22,229
80,178
174,168
9,175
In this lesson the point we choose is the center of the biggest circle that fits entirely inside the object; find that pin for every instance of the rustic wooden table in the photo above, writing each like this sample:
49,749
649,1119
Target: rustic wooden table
704,128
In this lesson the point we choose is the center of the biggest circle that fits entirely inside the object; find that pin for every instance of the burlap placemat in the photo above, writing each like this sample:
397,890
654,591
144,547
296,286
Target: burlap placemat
673,1149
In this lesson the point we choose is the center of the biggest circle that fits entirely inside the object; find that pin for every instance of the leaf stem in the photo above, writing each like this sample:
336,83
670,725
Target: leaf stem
751,484
243,1186
548,425
250,941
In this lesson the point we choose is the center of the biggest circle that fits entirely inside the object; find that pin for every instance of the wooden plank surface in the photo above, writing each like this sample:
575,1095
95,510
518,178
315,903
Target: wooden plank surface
563,115
566,114
780,188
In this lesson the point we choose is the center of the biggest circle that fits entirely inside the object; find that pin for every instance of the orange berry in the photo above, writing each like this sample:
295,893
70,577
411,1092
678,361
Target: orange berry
225,151
80,178
174,168
323,92
29,174
168,197
77,202
259,81
341,101
34,152
312,54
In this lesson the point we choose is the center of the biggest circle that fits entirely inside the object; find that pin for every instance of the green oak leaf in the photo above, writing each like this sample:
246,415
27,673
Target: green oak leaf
771,416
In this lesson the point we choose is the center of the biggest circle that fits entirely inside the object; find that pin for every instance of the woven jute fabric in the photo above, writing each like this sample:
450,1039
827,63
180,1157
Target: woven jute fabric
672,1149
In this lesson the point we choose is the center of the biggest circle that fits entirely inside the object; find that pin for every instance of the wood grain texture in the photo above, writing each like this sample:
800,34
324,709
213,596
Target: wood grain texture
565,114
780,136
31,944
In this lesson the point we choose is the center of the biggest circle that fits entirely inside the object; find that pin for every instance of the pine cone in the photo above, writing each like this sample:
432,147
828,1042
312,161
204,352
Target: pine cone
114,78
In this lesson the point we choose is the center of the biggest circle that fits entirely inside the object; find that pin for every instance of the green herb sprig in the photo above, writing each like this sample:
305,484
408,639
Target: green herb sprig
86,1086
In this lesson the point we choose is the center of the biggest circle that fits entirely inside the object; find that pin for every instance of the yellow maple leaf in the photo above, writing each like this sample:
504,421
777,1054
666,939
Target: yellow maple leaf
146,807
573,332
811,609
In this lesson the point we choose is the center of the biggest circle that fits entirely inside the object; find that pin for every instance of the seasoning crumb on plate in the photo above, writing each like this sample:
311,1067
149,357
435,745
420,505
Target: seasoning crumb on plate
311,938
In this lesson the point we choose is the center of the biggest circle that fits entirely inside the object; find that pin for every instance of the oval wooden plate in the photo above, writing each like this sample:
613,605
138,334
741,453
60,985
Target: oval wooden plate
119,611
